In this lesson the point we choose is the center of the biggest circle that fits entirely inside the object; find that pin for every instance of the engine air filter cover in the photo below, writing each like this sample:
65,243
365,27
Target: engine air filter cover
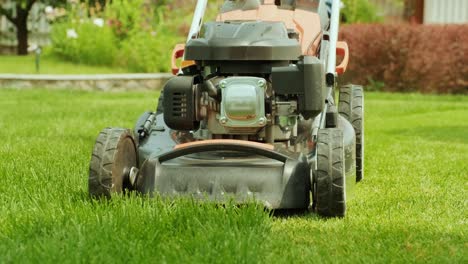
243,102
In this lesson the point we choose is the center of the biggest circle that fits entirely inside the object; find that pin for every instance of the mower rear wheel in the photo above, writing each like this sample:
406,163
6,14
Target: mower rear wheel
113,157
351,106
329,178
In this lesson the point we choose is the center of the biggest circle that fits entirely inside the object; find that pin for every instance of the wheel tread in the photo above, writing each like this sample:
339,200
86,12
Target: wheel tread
330,184
100,180
351,107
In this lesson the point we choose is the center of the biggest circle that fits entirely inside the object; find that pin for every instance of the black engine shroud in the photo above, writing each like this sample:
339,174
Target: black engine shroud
253,48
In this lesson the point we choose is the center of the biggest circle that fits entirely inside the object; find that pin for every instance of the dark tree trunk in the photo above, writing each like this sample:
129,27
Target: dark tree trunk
21,23
22,32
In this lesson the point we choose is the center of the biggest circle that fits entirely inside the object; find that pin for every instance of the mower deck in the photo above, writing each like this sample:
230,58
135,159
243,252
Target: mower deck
221,170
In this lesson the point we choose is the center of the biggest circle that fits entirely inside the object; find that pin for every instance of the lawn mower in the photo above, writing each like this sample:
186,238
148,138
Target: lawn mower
251,115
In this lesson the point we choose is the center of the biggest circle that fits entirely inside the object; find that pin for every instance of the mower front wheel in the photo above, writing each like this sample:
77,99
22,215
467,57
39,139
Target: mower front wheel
114,156
329,179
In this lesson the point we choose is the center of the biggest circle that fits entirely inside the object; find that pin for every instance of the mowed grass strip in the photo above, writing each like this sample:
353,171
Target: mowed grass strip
411,207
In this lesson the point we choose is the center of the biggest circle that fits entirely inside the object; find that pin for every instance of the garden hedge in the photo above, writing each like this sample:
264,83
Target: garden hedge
408,58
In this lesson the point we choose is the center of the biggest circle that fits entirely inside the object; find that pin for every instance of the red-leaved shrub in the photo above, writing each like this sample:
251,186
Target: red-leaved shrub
407,58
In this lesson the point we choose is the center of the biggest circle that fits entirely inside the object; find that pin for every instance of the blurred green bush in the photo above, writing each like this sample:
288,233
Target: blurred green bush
360,11
84,43
138,35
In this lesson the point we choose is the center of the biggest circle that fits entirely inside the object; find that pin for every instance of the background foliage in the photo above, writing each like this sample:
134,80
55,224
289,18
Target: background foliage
406,58
360,11
94,45
138,35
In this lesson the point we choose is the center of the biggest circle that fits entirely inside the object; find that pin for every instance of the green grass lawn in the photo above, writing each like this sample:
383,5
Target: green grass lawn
49,65
411,207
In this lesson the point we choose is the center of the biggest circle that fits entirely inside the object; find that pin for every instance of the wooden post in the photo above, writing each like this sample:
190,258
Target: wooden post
419,12
414,11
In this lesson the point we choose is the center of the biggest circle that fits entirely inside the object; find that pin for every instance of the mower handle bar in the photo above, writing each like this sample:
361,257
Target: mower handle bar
197,20
333,38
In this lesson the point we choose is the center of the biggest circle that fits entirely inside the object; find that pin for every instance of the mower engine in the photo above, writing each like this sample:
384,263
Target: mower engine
251,83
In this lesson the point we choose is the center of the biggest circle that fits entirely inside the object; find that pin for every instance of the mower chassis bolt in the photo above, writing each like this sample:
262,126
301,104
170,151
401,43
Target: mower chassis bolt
262,121
223,120
222,84
261,83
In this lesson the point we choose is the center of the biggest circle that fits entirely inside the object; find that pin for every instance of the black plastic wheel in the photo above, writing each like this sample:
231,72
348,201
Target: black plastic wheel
329,179
351,106
114,155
